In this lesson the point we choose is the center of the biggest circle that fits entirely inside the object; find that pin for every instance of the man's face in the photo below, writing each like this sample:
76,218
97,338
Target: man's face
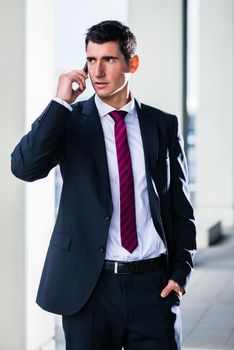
108,70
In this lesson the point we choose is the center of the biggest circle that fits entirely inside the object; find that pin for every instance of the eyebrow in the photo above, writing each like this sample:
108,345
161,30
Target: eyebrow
104,57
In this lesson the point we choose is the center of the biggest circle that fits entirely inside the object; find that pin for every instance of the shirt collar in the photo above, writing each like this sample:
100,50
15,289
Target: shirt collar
104,109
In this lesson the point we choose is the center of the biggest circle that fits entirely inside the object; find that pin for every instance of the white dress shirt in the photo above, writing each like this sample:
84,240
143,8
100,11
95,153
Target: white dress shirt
150,244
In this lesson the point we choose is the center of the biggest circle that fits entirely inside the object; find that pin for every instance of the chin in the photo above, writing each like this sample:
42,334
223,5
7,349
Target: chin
103,94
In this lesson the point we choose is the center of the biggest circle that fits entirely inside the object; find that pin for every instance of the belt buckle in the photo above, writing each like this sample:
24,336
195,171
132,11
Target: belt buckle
116,271
116,267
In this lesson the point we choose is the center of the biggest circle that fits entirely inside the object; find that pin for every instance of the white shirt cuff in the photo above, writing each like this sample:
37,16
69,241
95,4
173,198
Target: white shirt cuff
63,103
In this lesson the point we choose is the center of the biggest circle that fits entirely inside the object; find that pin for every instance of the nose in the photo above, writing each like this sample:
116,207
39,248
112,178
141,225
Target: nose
99,70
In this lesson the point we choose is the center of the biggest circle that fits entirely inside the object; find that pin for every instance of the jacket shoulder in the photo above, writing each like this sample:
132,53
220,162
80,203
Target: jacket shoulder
159,115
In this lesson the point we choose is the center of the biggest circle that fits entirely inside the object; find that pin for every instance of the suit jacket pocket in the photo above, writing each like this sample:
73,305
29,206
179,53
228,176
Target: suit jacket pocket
61,240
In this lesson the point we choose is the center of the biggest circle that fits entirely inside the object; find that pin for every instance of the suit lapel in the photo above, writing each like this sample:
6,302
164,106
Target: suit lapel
93,129
149,133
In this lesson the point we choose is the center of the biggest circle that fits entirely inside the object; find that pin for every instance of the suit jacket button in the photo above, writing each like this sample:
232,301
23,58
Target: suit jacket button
101,250
107,217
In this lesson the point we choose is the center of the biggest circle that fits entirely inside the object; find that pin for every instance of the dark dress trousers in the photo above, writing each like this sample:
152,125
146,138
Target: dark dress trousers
75,141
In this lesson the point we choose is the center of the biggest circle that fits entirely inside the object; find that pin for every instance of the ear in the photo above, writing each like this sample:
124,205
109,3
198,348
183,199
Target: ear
133,63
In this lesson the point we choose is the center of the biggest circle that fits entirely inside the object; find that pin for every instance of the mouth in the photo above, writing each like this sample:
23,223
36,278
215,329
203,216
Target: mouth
100,84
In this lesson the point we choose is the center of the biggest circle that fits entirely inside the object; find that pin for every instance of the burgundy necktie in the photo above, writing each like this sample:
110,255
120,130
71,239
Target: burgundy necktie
127,198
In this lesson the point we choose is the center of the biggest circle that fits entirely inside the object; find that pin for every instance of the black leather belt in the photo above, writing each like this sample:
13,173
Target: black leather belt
120,267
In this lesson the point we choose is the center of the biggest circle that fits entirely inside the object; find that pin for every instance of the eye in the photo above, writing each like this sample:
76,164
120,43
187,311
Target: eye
110,59
90,59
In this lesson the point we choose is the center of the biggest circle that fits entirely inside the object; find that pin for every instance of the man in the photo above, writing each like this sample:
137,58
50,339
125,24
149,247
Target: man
121,251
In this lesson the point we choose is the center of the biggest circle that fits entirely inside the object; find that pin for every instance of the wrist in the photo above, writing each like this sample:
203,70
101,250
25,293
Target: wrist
63,103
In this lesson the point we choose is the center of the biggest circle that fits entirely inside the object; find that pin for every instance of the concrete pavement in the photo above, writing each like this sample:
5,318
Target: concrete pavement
208,306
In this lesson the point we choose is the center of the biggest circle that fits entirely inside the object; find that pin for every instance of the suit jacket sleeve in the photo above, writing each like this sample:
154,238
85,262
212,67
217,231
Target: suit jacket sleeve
184,232
43,147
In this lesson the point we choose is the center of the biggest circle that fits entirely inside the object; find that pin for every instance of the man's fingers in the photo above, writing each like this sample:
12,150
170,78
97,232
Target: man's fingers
76,92
78,78
178,289
166,291
78,75
78,85
171,285
80,72
71,85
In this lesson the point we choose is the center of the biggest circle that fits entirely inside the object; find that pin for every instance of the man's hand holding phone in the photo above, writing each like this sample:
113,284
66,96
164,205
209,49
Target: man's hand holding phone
65,89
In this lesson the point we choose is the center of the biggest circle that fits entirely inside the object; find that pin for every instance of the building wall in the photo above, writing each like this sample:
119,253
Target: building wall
158,28
12,214
27,66
40,195
215,122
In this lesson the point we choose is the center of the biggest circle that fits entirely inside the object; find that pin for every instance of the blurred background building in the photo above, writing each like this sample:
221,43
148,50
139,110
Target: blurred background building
186,49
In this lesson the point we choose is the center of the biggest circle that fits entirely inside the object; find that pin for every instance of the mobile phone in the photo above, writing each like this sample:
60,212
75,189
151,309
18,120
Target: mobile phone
85,69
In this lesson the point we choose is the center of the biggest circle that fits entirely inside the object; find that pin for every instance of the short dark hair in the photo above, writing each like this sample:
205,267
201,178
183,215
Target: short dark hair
106,31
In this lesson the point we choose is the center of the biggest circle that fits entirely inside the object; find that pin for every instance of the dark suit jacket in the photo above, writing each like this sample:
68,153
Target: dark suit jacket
75,141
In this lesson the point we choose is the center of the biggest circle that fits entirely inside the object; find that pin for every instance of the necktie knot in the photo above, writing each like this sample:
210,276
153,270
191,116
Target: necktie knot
118,115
